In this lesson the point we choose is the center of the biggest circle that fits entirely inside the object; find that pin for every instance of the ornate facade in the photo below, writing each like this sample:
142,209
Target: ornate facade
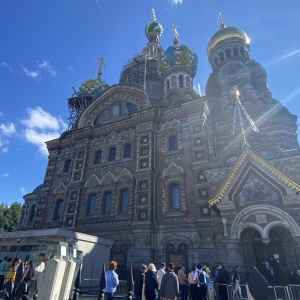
169,174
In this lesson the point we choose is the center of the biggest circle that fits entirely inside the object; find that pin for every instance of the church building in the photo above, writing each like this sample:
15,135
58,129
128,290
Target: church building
168,174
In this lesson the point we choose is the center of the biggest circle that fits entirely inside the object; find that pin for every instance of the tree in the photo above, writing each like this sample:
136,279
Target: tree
10,216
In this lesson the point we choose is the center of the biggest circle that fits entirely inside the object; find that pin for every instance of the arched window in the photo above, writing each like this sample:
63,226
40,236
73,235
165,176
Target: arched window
58,209
124,201
67,167
228,53
180,81
112,153
173,143
98,157
107,203
235,51
168,84
32,213
92,205
127,151
175,196
242,51
187,81
173,81
216,61
221,56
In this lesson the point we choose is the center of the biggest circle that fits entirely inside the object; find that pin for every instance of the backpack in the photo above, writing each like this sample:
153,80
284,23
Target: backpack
201,278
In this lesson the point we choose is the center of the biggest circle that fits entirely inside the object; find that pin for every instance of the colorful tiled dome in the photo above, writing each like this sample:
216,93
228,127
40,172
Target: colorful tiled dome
178,55
153,26
93,87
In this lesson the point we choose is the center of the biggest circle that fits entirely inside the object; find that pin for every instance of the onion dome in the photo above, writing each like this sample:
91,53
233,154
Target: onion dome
178,55
37,189
153,30
92,88
227,33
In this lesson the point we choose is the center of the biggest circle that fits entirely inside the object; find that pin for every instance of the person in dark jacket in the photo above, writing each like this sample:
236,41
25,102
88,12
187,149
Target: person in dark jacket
138,283
170,285
221,279
151,283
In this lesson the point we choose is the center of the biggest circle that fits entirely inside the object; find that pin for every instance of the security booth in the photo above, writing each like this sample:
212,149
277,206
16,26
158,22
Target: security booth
71,248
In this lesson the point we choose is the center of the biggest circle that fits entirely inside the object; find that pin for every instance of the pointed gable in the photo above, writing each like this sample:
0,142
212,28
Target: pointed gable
173,171
125,176
108,179
93,181
61,189
248,157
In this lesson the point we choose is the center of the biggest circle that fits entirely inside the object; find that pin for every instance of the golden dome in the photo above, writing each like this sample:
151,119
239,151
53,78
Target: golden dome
227,33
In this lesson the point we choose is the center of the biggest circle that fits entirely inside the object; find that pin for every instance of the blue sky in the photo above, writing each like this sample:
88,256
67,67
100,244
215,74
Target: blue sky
48,47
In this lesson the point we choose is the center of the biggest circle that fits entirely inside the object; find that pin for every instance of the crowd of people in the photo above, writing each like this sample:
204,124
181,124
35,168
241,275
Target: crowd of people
30,272
164,283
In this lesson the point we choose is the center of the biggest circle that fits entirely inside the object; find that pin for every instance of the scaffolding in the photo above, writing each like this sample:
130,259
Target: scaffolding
77,104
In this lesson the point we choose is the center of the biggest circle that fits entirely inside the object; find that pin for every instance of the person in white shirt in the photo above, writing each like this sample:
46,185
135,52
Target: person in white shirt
160,273
202,278
38,269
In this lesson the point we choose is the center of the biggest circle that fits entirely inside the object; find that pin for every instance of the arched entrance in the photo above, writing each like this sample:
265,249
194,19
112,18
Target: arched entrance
178,256
279,246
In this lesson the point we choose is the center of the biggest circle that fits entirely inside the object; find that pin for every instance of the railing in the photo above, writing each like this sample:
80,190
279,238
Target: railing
91,287
290,292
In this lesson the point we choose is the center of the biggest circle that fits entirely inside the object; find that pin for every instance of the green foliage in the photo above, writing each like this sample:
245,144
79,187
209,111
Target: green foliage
10,217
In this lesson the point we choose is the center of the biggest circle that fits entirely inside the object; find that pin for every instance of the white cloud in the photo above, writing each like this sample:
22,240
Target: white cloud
45,65
8,129
175,2
41,126
23,190
32,74
3,145
8,67
71,69
4,175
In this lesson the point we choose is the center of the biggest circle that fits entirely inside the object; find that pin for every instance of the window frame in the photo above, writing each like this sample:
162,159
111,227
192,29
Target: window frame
175,203
107,203
96,157
59,209
124,202
127,151
173,143
92,197
112,154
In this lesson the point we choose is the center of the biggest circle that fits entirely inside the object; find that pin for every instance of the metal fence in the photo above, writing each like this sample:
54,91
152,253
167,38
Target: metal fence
91,287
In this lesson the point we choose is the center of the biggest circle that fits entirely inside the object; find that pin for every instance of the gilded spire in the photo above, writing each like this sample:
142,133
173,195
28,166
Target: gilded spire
101,65
176,35
153,15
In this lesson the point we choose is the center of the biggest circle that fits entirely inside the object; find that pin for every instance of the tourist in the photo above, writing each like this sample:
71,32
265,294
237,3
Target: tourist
236,279
202,278
4,265
160,273
221,279
112,280
39,267
193,283
12,270
139,283
170,284
151,283
183,283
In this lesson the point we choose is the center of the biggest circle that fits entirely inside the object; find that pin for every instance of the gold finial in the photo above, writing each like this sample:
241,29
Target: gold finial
101,65
220,18
153,15
175,34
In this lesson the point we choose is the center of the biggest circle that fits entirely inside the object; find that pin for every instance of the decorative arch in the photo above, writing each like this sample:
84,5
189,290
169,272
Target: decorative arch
61,189
176,240
286,221
125,176
173,171
93,182
108,179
